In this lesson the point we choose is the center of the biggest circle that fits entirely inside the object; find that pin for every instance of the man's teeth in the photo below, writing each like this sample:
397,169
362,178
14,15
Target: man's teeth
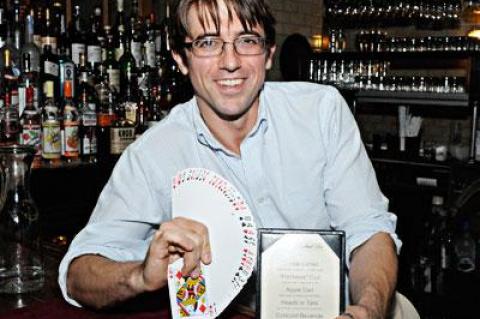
231,82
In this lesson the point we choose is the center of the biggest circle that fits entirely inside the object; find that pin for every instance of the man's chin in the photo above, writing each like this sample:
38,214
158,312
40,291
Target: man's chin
231,116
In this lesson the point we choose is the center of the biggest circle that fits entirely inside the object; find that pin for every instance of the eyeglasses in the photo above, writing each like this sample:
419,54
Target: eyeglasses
213,46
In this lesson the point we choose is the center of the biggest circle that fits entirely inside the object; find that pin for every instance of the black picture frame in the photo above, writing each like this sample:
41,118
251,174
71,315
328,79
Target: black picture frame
334,238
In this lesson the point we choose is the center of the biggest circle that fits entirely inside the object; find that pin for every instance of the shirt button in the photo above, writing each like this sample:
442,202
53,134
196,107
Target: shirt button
261,200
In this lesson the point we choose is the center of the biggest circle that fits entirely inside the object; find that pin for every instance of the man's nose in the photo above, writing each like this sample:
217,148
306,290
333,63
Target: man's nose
230,60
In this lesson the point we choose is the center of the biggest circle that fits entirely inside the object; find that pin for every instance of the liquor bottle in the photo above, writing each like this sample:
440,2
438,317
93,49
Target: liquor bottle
150,45
77,36
69,127
29,79
144,74
444,244
3,27
9,126
66,70
141,124
112,66
10,46
137,37
50,70
154,113
17,26
51,135
164,56
58,13
100,30
63,38
94,49
87,107
38,31
105,118
9,113
49,37
30,125
122,132
120,31
128,69
129,86
29,47
10,78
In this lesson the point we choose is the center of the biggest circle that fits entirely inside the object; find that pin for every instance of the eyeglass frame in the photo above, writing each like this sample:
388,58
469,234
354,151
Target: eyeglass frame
263,40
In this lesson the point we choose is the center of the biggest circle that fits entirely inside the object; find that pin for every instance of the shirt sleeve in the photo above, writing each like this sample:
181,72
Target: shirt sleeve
353,198
123,221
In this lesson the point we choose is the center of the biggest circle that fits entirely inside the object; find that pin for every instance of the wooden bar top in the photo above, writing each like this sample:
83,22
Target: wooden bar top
48,302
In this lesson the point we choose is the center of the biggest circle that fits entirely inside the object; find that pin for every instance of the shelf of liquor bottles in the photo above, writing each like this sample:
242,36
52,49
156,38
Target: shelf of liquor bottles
80,90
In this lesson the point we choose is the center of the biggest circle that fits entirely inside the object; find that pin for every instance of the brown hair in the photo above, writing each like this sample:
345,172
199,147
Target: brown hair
249,12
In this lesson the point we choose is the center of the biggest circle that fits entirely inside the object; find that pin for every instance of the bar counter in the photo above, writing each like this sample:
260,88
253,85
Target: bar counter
48,302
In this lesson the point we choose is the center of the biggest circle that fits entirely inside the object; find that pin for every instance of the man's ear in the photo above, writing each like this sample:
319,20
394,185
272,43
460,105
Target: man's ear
269,60
182,65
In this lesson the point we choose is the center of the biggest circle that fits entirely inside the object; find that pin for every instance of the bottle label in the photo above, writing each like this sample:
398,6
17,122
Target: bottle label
51,68
114,78
89,119
137,52
94,54
37,40
77,49
31,135
71,141
51,41
120,138
51,140
131,111
89,142
150,54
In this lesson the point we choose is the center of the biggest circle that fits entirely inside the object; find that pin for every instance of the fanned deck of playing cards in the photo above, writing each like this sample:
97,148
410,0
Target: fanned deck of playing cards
206,197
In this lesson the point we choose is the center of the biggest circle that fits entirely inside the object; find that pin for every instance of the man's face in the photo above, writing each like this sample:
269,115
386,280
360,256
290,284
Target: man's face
227,86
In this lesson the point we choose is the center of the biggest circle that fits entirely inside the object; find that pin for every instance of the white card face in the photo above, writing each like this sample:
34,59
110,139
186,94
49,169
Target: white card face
206,197
300,274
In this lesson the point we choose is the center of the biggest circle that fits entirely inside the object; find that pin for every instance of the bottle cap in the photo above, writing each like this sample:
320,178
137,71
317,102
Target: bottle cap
437,200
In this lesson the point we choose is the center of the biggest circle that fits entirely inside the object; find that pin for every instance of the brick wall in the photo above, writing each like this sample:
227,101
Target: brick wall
295,16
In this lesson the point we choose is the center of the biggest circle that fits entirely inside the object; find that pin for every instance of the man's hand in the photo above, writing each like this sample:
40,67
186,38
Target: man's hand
357,312
99,282
178,238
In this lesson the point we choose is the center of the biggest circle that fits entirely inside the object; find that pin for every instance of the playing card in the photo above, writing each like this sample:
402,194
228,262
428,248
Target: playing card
188,296
207,197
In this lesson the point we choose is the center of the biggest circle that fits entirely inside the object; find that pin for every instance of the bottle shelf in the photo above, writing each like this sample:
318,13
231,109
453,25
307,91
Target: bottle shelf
461,100
356,55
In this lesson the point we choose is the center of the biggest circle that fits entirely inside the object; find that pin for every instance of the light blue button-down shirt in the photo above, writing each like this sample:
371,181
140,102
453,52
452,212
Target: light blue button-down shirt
303,166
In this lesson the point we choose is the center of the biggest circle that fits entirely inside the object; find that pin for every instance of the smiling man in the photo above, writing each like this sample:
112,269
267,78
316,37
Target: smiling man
292,149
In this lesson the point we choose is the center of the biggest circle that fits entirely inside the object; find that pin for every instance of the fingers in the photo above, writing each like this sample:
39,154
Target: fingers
188,239
355,312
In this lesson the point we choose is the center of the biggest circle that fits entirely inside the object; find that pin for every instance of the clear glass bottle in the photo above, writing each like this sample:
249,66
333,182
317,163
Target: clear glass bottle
21,260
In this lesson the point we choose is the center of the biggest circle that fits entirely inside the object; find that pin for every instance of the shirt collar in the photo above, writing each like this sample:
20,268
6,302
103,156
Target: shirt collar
205,137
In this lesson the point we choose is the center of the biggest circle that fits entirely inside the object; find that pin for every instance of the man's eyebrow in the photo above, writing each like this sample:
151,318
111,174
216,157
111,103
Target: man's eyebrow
251,32
207,34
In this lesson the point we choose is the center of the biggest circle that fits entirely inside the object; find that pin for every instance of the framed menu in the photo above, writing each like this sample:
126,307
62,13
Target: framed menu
300,273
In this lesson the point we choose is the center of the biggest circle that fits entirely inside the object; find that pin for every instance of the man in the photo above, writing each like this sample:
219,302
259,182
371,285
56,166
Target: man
293,150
